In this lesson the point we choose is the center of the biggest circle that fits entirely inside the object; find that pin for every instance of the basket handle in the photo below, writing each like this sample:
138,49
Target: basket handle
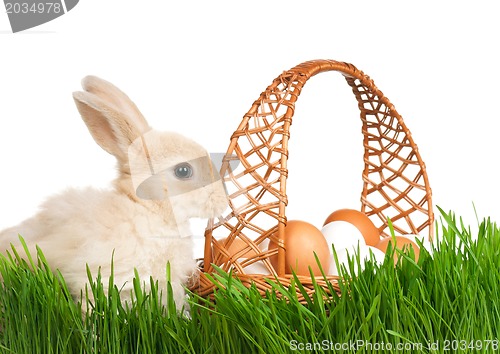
395,182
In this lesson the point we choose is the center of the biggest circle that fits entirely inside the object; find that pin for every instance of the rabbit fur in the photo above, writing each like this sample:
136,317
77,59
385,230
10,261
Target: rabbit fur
80,227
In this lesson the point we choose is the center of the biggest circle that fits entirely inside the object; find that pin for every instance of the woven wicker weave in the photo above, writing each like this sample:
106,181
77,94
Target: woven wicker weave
395,183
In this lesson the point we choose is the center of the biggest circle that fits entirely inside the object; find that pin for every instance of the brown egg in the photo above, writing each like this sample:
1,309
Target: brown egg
402,243
302,240
361,221
236,246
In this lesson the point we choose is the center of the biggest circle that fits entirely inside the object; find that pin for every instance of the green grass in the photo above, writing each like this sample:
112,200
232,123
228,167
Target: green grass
449,299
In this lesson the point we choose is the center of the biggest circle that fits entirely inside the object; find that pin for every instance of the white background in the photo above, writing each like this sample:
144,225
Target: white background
197,66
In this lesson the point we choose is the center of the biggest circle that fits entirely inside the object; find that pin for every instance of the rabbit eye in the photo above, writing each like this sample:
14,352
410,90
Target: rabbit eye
183,171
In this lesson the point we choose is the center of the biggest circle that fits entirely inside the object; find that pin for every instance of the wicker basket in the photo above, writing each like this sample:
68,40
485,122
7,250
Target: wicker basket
395,183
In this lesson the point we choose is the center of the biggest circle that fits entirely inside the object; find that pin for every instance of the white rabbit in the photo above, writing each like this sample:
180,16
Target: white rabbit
143,221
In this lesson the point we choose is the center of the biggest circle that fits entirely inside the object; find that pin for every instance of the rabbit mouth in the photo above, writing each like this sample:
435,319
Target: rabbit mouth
220,204
206,202
214,205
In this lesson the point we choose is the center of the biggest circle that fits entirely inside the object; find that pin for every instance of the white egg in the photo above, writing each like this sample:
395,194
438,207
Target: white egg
343,235
255,268
342,258
264,244
365,253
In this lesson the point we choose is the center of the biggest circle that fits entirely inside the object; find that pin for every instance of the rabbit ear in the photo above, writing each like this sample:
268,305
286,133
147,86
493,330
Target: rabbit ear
114,124
113,96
